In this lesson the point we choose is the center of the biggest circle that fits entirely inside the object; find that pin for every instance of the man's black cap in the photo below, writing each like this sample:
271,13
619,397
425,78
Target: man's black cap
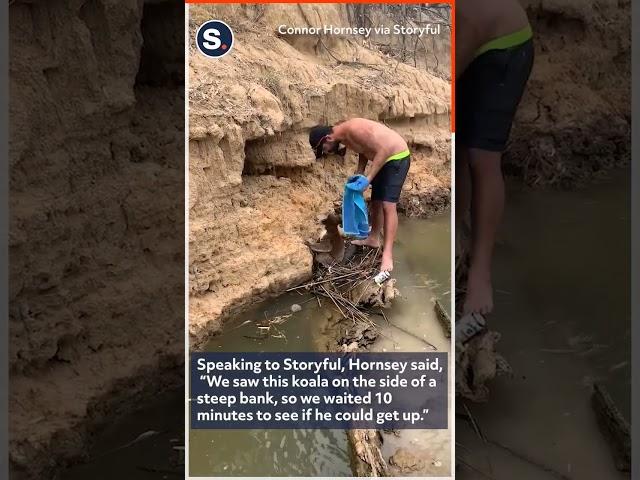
317,137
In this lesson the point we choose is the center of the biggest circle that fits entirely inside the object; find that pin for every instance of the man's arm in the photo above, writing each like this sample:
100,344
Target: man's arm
376,164
362,163
465,50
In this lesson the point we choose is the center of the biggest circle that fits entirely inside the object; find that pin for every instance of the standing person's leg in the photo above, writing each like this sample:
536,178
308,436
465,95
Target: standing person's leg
377,219
390,230
462,206
463,184
387,186
376,214
393,176
490,91
377,222
487,205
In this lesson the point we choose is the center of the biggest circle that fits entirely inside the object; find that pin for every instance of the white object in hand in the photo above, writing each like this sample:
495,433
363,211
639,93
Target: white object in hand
382,277
469,326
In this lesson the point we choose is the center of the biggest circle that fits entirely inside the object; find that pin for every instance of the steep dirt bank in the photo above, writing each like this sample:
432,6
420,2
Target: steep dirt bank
96,219
574,121
255,189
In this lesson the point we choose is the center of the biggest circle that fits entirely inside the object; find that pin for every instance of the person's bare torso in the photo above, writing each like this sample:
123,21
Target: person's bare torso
369,138
480,22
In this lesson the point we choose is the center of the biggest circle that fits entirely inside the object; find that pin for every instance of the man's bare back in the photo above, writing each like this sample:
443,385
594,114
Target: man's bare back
480,22
369,138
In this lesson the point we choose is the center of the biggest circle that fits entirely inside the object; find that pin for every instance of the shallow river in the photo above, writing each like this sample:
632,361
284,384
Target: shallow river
561,275
422,259
422,270
562,306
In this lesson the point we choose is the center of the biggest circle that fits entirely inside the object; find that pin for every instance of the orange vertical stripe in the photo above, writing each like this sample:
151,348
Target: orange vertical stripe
453,67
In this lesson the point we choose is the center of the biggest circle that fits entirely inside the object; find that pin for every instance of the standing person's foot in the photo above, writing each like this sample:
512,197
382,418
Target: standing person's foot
387,263
371,241
479,297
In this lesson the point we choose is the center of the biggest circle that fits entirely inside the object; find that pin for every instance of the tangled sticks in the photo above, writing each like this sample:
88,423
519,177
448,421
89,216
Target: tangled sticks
350,287
344,275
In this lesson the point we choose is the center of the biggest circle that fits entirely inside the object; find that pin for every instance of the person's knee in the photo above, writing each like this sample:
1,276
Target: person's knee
389,207
484,161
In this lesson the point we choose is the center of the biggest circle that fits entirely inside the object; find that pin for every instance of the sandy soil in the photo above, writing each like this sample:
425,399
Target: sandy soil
574,121
90,127
96,222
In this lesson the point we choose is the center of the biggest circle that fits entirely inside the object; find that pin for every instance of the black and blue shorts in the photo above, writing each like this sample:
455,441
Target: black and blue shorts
387,183
488,94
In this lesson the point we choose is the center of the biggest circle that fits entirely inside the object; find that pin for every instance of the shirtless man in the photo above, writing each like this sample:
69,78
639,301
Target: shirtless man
389,159
494,57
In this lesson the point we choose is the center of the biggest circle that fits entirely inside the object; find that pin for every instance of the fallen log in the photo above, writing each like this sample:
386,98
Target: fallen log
366,458
443,317
614,426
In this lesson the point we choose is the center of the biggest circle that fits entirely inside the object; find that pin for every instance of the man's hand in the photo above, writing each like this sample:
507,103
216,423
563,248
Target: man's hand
358,183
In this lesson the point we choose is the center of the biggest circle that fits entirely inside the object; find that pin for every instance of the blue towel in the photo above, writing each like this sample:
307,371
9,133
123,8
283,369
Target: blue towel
355,221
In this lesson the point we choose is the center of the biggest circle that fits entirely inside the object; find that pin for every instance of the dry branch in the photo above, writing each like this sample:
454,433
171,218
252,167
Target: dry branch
347,285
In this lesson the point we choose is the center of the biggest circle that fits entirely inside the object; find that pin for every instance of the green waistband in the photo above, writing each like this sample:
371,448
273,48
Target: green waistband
507,41
399,156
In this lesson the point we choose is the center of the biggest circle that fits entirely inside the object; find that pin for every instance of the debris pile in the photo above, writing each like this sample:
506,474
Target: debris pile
269,327
344,276
477,363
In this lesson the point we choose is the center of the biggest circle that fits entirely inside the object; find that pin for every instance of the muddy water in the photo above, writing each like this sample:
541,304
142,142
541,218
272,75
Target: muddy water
412,326
422,271
142,445
270,452
422,258
561,276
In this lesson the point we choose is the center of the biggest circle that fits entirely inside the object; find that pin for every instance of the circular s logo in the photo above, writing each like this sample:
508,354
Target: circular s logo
214,39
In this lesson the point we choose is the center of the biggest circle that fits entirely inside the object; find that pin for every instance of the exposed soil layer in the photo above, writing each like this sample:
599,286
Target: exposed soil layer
574,122
256,191
96,229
